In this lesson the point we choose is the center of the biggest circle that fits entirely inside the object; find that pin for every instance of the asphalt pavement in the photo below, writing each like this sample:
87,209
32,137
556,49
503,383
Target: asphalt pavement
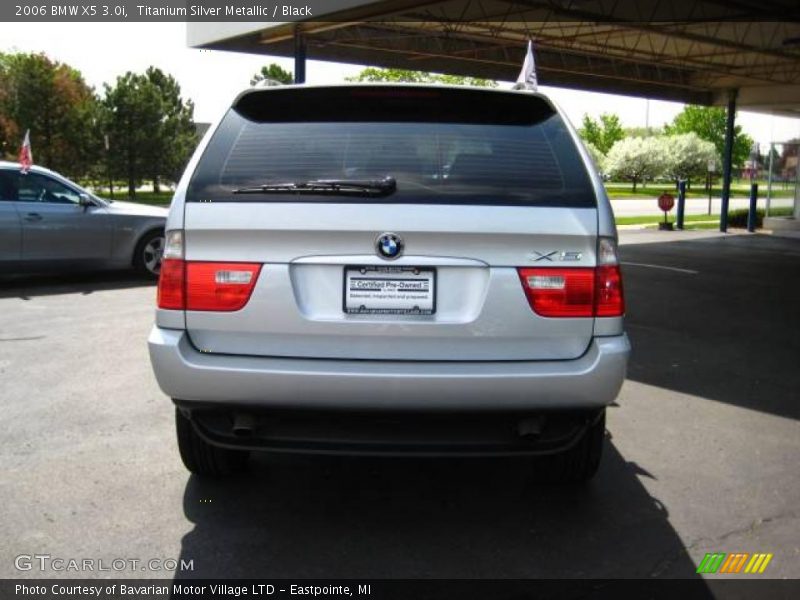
701,454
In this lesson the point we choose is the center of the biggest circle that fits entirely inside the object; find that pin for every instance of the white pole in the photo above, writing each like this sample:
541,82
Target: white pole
796,210
769,176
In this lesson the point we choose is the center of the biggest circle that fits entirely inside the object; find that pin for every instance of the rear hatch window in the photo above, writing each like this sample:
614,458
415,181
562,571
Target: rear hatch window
437,146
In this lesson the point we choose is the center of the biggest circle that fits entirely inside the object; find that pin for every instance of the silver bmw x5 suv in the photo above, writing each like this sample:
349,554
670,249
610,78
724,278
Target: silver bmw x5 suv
391,270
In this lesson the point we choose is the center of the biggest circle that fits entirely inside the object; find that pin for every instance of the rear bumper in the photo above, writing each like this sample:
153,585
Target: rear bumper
591,381
390,433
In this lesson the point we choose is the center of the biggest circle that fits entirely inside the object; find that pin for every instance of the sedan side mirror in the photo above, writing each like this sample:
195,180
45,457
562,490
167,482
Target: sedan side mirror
85,201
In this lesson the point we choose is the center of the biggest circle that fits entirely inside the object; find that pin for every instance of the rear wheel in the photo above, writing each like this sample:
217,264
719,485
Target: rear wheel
202,458
147,256
577,464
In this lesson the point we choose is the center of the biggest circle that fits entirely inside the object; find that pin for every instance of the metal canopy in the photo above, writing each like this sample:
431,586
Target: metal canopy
650,48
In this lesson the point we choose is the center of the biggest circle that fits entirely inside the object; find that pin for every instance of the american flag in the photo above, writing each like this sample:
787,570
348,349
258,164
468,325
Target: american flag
25,154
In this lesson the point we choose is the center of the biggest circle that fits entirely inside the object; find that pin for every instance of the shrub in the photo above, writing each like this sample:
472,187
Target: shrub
738,217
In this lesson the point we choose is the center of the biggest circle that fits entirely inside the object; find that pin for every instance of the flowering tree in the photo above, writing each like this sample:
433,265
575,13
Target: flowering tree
687,156
636,160
598,157
709,123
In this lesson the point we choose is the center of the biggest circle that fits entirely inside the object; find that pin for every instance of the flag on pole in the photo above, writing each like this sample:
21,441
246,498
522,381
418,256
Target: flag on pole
527,77
25,154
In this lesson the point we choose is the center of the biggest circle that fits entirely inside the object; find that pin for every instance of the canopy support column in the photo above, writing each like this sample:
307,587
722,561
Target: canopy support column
299,56
727,160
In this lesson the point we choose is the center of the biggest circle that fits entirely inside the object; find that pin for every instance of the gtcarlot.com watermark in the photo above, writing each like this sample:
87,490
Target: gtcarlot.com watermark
57,564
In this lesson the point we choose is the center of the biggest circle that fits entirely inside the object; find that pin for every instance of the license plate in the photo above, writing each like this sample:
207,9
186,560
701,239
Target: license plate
389,291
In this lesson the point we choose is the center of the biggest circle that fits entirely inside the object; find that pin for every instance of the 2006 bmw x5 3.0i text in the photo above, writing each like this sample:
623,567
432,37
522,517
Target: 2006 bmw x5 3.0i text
391,270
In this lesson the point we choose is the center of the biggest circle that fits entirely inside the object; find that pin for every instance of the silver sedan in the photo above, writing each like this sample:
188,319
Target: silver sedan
49,223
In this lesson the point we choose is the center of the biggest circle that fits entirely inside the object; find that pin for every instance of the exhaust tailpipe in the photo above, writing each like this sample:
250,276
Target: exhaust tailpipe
243,425
531,428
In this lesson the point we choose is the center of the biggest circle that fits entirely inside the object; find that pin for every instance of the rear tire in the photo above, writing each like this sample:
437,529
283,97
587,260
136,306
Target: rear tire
202,458
147,256
580,462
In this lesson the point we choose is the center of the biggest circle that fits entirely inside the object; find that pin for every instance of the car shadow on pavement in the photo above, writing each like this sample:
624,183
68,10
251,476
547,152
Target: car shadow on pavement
31,286
327,517
720,322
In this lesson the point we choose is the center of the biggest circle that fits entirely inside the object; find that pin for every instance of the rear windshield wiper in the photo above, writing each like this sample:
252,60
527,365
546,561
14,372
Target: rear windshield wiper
347,187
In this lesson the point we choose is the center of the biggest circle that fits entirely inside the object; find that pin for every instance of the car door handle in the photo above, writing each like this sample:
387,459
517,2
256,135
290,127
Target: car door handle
33,217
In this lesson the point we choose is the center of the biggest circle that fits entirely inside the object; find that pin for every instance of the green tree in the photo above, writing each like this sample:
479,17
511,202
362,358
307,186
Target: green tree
149,127
406,76
177,138
603,133
708,122
132,120
53,101
273,72
776,157
8,127
643,131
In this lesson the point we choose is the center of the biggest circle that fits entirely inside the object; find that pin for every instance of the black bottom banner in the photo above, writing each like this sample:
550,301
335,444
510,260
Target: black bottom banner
380,589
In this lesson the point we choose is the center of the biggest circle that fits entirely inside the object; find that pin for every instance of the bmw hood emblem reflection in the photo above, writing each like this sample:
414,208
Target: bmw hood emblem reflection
389,245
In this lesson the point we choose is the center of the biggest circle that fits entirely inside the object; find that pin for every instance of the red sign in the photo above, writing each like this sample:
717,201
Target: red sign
666,202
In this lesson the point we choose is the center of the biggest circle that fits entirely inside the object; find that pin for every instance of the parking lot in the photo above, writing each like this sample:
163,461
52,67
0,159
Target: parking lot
701,454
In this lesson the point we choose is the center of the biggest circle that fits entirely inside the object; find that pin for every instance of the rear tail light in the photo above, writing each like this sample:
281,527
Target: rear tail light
607,252
560,292
206,286
171,282
578,291
609,300
172,278
219,286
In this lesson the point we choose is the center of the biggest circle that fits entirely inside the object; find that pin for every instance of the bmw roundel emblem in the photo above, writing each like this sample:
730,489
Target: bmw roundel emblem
389,245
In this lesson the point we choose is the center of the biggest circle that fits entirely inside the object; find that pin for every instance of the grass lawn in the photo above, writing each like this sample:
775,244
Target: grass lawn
160,199
693,221
620,190
652,219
